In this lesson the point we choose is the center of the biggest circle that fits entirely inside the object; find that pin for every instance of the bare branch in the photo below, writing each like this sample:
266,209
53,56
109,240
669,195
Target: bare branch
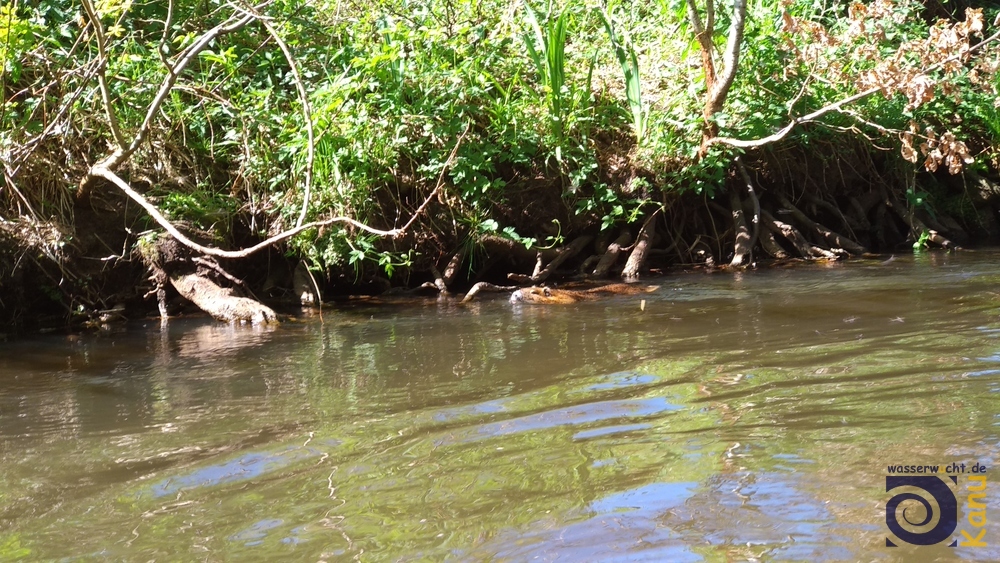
102,78
440,182
163,50
102,171
232,24
696,24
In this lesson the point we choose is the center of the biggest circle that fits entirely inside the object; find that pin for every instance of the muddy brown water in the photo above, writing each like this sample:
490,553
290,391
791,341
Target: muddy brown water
738,417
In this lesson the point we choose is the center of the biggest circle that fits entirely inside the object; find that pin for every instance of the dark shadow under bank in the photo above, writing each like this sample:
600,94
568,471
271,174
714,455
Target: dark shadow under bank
810,208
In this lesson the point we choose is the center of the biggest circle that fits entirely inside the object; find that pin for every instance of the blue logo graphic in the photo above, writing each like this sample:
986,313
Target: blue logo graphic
945,506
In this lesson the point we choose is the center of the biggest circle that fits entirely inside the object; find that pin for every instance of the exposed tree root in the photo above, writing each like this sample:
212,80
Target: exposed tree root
542,273
746,238
742,248
917,227
833,239
610,256
637,259
793,236
771,246
859,216
588,264
846,221
452,268
497,247
439,283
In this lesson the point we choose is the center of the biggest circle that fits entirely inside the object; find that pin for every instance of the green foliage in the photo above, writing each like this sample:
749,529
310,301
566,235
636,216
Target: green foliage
564,94
15,37
205,209
616,207
923,242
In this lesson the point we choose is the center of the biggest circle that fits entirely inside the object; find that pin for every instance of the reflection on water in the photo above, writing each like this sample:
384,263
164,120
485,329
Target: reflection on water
248,466
738,417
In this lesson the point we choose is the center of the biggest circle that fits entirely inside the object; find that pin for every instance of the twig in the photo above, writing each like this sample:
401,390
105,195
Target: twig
122,152
102,172
440,182
162,50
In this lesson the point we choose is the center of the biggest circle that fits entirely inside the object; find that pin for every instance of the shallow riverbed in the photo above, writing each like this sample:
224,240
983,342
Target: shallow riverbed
737,417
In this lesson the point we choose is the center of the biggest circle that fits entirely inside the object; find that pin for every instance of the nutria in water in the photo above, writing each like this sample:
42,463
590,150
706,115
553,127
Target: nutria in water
549,296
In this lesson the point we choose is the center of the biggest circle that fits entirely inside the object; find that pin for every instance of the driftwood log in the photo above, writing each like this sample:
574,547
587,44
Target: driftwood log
220,302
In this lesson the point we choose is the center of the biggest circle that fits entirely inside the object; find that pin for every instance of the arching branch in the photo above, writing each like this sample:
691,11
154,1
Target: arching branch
837,106
102,171
122,152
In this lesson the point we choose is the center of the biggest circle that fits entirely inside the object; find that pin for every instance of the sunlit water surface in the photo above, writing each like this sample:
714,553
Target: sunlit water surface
737,417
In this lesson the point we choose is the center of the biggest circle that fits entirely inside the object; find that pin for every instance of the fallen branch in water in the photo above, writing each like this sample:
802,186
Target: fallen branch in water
485,286
220,303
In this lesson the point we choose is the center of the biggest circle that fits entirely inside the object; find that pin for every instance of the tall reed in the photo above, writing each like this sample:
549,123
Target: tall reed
547,49
625,53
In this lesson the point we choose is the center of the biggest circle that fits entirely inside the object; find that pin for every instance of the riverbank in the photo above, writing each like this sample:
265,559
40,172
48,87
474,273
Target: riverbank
217,159
50,284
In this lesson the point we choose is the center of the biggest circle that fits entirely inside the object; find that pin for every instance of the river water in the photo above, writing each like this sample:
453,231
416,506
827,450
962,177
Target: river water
725,417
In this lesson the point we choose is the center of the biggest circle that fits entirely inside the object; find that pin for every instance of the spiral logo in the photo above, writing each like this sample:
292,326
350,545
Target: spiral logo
942,503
